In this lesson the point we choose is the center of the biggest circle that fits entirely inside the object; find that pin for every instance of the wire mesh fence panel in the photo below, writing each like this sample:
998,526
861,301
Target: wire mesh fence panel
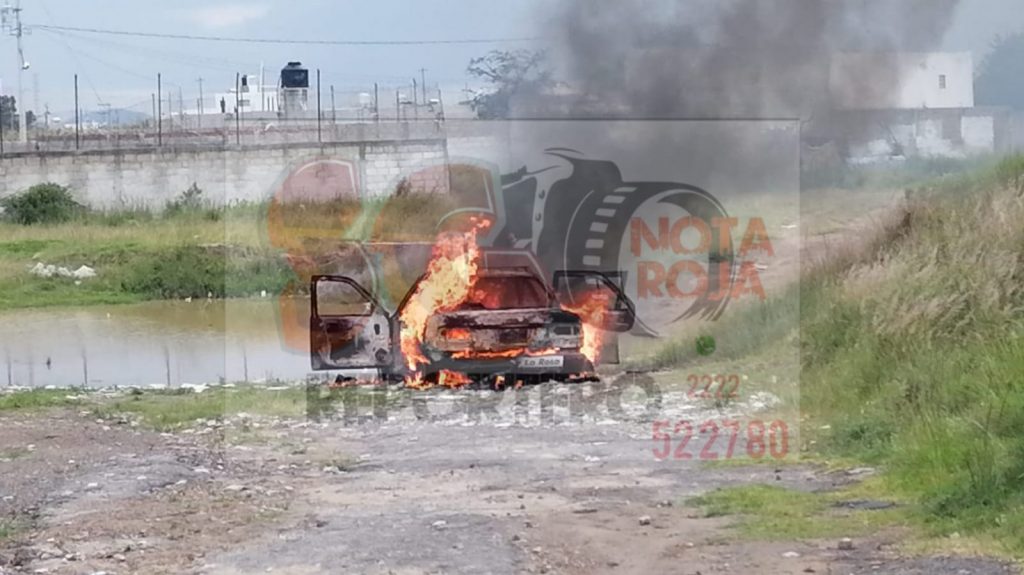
248,115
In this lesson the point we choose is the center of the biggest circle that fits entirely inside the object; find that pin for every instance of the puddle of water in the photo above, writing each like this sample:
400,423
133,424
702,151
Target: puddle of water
155,343
162,343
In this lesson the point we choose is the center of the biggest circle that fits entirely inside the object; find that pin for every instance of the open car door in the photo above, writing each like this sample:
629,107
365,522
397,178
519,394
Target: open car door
348,329
598,299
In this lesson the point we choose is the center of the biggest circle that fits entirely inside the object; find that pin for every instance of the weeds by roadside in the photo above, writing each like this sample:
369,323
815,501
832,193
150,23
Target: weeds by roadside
8,529
779,514
37,399
912,353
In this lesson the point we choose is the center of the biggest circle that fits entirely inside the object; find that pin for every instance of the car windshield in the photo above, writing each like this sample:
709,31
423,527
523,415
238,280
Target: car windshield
515,292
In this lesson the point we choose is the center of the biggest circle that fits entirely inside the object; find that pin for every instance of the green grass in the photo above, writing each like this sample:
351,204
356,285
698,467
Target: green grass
172,410
737,335
37,399
8,529
11,453
924,335
912,360
232,252
770,513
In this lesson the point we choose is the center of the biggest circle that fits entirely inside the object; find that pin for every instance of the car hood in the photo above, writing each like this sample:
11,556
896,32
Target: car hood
505,318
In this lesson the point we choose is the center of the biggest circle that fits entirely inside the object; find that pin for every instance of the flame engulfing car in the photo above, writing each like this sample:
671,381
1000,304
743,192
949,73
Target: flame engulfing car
472,316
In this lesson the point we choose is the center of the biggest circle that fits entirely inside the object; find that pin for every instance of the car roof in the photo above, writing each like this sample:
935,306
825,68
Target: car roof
507,272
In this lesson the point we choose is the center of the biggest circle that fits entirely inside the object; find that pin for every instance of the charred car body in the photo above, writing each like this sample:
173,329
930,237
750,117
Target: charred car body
511,323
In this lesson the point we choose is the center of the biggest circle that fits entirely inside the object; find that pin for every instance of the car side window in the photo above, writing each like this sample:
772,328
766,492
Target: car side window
334,298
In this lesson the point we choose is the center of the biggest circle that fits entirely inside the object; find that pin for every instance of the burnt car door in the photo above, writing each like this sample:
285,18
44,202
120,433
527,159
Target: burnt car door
348,328
598,299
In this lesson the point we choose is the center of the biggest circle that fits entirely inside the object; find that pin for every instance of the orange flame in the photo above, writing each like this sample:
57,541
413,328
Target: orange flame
592,308
448,283
474,354
452,379
450,277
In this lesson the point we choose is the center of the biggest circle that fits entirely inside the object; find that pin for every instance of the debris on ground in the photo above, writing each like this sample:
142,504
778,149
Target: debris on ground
48,271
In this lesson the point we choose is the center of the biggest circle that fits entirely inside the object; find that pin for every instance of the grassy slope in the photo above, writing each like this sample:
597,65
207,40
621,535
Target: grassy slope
912,360
913,356
236,252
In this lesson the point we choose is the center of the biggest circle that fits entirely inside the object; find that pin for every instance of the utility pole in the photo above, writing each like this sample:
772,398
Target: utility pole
1,121
376,103
78,121
238,109
319,112
10,22
199,109
423,83
159,111
35,100
334,110
106,112
415,101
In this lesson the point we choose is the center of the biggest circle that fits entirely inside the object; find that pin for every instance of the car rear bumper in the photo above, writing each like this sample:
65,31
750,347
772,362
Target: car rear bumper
568,363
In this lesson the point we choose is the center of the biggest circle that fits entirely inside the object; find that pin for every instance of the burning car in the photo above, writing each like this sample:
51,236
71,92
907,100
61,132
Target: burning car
474,315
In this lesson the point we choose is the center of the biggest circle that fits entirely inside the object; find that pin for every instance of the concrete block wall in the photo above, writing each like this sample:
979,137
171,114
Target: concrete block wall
150,178
386,165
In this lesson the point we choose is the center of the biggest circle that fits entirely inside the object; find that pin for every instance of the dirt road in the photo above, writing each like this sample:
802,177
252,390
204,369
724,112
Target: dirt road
430,488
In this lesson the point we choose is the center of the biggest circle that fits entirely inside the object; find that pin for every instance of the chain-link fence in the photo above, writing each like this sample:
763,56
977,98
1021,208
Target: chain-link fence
232,118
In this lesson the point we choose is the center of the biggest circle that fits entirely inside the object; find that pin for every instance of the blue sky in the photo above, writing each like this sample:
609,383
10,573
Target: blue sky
122,70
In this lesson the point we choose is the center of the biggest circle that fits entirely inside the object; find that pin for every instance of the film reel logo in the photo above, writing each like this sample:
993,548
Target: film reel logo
668,244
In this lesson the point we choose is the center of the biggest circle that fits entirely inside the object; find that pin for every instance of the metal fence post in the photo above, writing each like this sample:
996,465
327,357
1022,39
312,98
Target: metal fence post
319,110
159,112
78,120
238,109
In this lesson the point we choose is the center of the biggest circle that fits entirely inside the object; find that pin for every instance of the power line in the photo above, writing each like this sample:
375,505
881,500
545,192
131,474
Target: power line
286,41
74,56
192,60
219,64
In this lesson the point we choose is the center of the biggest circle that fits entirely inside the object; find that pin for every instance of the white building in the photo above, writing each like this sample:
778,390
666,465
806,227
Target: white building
252,96
902,81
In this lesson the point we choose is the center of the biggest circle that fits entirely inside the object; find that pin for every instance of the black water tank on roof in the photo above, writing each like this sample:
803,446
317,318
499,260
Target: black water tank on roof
294,76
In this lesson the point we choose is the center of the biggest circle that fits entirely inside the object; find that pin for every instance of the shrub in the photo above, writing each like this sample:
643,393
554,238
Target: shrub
192,204
187,271
188,201
47,203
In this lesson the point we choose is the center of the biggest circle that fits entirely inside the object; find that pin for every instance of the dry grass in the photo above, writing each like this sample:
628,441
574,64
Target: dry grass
912,353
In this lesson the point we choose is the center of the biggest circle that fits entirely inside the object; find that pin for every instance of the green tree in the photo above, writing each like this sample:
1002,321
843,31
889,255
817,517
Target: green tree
1000,80
509,74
